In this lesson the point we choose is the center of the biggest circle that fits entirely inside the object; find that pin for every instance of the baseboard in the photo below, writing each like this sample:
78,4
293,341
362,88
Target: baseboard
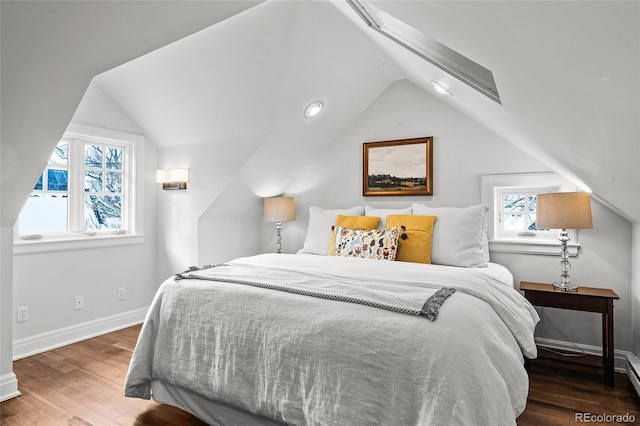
43,342
633,371
8,386
620,357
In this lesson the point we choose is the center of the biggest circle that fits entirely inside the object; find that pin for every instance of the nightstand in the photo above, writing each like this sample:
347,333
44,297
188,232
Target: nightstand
587,299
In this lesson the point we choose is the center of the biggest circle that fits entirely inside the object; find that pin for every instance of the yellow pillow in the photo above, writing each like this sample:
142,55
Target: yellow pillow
416,247
352,222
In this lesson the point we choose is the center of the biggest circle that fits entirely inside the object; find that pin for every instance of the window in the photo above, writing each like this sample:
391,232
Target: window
104,180
47,208
87,189
513,200
516,212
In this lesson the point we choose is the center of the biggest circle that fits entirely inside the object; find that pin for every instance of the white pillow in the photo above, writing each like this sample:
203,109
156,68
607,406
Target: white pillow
485,230
459,235
382,214
319,229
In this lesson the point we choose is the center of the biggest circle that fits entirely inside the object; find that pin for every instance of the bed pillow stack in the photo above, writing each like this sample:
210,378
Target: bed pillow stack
452,236
383,213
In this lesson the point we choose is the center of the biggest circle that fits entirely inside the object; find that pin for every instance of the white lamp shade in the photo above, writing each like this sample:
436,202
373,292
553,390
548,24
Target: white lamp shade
564,210
172,175
279,209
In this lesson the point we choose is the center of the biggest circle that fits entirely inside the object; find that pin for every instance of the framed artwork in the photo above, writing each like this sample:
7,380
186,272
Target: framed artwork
399,167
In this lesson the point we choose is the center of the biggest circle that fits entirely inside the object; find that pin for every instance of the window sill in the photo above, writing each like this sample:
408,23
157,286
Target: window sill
531,247
76,243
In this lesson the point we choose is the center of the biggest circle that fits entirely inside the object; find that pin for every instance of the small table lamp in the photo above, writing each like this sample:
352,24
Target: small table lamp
564,210
278,210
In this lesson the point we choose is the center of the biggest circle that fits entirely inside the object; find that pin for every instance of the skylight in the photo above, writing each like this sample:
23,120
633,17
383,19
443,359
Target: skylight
448,60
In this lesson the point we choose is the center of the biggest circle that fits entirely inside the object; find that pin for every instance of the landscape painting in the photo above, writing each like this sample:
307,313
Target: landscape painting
398,167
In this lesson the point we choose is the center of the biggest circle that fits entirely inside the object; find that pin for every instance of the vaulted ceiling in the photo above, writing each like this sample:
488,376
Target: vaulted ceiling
51,50
568,73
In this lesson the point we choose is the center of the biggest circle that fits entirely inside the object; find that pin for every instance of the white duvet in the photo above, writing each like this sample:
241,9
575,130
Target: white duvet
308,361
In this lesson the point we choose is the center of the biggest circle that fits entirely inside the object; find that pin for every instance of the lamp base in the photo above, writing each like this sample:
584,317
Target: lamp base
565,282
565,288
278,237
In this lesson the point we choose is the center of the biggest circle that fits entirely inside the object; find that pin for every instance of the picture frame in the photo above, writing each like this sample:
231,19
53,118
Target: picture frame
398,167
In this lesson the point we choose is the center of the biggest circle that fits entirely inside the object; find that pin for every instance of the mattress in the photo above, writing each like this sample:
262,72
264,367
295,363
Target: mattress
223,350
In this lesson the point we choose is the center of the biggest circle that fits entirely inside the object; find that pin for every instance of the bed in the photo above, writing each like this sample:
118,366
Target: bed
306,339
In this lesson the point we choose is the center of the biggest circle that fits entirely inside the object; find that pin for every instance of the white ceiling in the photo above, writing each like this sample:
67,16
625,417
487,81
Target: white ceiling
237,78
51,50
568,74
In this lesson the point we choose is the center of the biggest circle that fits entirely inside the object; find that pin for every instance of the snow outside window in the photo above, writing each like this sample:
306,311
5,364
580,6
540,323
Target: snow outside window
87,189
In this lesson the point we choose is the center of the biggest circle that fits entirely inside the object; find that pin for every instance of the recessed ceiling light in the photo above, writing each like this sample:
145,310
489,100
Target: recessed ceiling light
313,109
440,88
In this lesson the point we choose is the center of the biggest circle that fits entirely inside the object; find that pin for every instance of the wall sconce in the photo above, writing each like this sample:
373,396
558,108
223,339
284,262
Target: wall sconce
278,210
173,178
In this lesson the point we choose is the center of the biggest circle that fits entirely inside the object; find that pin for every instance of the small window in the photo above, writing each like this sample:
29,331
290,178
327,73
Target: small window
516,212
513,206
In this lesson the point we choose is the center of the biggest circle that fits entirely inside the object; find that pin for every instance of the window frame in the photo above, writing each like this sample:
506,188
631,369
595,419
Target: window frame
126,185
131,230
500,233
542,242
44,180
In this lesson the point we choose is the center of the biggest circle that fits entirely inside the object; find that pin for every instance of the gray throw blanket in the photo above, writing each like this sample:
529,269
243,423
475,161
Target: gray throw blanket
324,286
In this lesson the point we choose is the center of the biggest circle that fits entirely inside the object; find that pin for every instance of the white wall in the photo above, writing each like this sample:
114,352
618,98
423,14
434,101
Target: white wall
635,289
212,168
48,282
604,260
8,380
46,68
463,151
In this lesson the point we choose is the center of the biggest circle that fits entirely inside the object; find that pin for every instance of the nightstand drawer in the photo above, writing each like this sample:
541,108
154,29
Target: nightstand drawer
571,301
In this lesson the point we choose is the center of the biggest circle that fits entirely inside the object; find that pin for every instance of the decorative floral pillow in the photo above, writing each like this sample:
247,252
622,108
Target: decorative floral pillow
380,244
352,222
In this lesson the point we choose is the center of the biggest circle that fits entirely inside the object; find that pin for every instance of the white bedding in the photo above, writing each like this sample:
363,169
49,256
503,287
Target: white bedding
308,361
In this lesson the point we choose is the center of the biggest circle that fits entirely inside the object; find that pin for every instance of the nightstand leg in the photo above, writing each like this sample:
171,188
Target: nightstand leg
608,357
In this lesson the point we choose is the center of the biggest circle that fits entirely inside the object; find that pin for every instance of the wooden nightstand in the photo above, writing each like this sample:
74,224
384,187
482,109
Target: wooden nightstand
584,299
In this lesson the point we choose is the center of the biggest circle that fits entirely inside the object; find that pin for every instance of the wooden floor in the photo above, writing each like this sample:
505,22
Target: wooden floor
82,384
561,391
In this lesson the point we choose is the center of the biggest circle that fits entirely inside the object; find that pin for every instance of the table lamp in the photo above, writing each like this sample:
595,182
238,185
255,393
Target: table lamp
564,210
278,210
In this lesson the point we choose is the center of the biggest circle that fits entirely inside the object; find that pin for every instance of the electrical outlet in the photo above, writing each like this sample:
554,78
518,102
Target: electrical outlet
121,293
23,314
79,302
